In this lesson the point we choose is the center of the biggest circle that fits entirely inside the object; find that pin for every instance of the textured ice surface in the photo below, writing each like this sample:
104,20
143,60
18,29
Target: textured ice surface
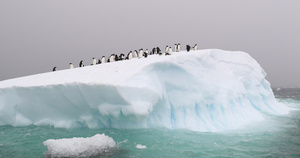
204,90
79,147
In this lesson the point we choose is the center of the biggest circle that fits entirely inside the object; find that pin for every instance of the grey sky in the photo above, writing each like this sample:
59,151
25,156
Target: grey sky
37,35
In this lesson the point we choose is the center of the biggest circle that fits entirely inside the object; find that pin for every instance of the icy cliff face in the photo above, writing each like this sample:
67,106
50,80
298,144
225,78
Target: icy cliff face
204,90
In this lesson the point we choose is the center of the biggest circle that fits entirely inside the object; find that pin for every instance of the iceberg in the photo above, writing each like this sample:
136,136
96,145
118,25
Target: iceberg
202,90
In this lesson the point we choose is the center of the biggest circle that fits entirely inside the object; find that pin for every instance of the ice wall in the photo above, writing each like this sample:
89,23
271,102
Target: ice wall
204,90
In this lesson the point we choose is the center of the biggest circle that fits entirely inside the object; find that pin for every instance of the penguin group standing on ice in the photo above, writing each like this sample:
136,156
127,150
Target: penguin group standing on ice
135,54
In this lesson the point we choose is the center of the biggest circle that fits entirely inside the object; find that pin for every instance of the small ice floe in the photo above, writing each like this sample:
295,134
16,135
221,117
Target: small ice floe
79,147
278,89
140,146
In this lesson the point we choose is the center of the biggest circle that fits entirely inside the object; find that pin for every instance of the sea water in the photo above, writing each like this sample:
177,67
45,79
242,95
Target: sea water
276,136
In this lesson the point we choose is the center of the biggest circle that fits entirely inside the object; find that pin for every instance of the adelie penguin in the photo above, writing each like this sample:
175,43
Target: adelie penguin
195,47
135,53
170,51
167,49
141,52
178,47
145,54
188,48
99,61
81,64
94,61
121,56
154,51
175,47
111,58
129,56
54,69
103,59
116,58
71,66
158,51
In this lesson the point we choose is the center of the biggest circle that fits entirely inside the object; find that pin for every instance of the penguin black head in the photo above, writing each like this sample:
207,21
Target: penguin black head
54,69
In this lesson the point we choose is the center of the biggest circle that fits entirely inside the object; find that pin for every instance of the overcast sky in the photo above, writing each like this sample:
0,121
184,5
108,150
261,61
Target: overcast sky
36,35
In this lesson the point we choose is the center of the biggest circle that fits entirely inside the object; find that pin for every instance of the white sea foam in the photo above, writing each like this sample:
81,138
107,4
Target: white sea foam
79,147
203,90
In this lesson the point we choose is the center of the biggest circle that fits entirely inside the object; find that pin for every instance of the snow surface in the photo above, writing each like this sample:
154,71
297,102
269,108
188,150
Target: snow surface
203,90
79,147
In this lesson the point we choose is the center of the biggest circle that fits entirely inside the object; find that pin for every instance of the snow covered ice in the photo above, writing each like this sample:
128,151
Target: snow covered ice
79,147
203,90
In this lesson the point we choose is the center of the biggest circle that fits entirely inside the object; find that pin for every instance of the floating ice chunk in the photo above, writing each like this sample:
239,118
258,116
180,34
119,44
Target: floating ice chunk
79,147
140,146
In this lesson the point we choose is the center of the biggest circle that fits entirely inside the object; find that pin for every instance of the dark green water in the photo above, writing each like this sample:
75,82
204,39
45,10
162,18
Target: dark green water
277,136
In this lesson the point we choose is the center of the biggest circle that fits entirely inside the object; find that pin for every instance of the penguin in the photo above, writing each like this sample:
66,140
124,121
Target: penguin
151,53
103,59
146,51
154,51
141,52
195,47
170,51
178,47
175,47
188,48
116,58
81,64
121,56
145,54
71,66
99,61
129,56
54,69
111,58
135,53
94,61
158,51
167,49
